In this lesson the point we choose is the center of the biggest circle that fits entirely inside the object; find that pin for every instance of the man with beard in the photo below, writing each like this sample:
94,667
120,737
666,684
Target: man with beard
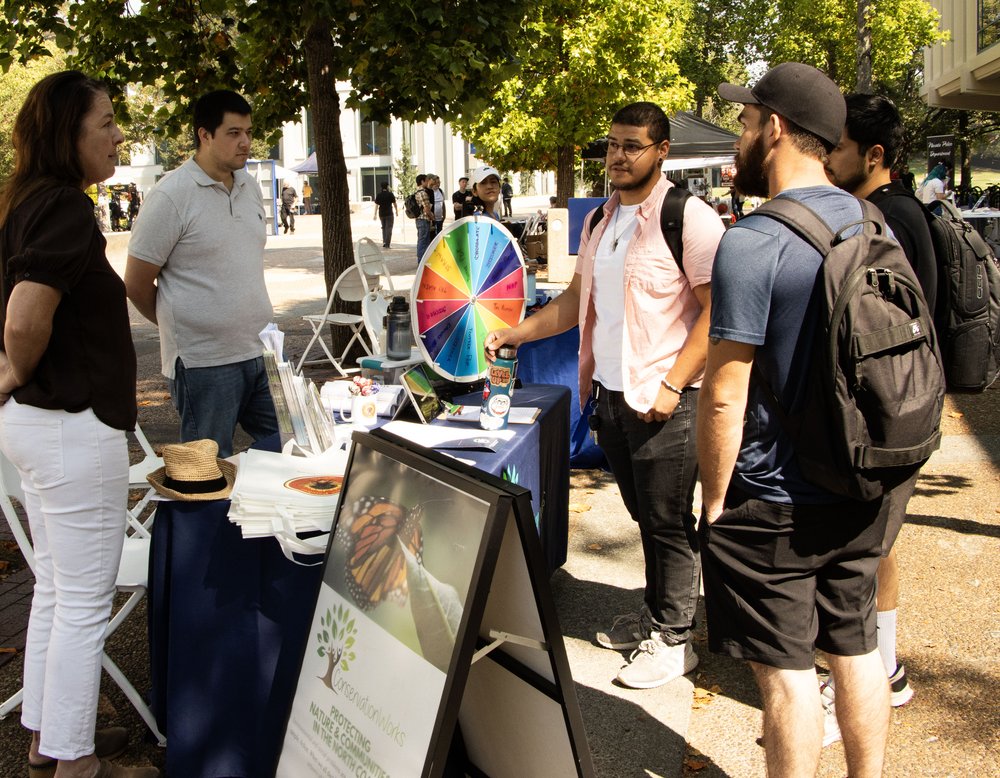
861,165
643,317
788,566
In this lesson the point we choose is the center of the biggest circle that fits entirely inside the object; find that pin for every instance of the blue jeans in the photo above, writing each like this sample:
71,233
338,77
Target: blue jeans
423,237
213,400
656,465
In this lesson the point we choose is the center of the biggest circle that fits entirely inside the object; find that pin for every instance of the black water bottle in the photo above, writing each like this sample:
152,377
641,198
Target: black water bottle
398,339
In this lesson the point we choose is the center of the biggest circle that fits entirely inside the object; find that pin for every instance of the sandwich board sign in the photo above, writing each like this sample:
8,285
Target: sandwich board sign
435,643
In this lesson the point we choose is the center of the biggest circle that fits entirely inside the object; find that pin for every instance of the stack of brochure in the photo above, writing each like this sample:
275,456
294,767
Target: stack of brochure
297,404
280,495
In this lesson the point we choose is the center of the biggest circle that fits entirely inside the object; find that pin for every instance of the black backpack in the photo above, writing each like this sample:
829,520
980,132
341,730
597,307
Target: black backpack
968,315
411,207
874,413
671,221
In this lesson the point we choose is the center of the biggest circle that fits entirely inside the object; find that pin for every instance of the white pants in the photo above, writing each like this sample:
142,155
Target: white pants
74,471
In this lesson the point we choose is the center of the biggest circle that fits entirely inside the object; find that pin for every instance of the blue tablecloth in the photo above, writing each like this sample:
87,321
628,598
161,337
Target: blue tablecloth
229,618
555,360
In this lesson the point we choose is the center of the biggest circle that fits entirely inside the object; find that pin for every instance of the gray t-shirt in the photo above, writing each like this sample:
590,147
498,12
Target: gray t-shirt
211,300
762,284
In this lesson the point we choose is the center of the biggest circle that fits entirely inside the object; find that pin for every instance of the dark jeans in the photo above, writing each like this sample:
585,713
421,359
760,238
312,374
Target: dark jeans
655,465
387,222
287,218
213,400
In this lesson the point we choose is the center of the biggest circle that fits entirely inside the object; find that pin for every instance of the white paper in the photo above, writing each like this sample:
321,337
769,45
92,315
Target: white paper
429,436
470,414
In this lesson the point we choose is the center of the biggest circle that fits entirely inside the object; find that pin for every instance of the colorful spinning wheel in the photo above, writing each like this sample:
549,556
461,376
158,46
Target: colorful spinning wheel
471,280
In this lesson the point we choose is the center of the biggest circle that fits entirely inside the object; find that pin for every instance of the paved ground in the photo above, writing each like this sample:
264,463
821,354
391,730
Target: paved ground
704,724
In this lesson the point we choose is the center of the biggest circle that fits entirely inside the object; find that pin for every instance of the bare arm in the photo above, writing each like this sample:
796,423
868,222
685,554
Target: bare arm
140,286
558,316
721,405
26,332
690,361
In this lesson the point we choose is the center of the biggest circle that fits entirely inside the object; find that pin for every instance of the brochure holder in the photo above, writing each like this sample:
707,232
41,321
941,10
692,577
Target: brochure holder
435,645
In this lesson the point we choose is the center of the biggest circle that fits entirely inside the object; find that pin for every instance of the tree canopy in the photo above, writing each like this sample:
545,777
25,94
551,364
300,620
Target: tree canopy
579,60
413,59
14,87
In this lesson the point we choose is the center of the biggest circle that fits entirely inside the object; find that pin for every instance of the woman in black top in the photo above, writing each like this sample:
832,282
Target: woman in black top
67,397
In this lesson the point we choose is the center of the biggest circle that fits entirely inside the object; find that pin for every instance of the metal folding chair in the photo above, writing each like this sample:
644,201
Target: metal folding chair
351,286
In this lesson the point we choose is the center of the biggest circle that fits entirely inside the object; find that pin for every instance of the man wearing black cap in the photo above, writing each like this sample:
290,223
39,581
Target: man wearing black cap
788,566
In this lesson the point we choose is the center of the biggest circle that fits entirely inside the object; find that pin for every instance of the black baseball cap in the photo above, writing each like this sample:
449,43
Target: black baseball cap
800,93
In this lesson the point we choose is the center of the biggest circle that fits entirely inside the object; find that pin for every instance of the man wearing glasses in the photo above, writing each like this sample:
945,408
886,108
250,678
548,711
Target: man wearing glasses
643,317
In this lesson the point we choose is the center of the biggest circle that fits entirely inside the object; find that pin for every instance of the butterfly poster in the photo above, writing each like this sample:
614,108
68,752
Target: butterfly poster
428,558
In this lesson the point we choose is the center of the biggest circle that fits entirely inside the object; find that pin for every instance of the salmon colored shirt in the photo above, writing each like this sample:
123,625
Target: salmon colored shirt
660,306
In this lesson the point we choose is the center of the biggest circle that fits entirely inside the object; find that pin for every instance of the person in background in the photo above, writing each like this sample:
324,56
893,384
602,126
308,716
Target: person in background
133,204
425,219
507,192
933,187
196,269
437,202
67,397
485,193
459,197
860,164
386,212
288,198
907,178
307,193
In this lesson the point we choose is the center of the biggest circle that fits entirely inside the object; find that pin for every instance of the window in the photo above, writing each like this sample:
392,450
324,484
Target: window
372,179
374,138
988,23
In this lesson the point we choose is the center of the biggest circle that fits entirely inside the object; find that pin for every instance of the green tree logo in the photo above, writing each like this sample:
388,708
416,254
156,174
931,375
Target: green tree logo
336,637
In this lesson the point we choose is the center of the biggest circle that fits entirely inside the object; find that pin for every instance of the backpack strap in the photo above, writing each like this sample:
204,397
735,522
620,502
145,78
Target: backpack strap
801,219
671,221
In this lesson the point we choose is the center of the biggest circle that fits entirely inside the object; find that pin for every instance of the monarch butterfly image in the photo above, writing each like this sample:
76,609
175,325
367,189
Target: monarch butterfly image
375,569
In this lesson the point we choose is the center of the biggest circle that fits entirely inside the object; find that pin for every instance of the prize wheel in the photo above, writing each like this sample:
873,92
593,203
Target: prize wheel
471,280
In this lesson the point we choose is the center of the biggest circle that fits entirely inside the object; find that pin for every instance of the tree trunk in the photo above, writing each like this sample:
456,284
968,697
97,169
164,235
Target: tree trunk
565,174
864,82
335,208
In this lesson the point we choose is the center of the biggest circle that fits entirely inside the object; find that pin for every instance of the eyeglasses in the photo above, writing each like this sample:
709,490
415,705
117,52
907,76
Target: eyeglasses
630,149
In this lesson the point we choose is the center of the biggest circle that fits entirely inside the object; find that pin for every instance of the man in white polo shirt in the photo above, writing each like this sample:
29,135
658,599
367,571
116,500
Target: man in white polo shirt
196,269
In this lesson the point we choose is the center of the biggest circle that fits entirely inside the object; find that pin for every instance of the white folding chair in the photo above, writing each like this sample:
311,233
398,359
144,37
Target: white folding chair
133,571
351,286
137,480
368,257
373,311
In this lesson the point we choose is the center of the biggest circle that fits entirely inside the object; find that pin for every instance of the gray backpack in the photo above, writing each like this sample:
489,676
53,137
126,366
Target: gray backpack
874,413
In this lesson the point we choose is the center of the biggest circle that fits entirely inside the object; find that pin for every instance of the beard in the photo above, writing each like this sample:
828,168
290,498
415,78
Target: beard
640,183
851,183
751,170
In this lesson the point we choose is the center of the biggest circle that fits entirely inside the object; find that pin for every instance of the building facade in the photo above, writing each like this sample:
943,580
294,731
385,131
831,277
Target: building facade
964,72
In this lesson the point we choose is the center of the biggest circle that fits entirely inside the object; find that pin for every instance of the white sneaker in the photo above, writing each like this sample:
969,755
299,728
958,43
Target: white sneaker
831,729
654,663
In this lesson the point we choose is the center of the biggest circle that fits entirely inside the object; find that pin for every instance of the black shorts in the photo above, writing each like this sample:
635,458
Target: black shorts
784,580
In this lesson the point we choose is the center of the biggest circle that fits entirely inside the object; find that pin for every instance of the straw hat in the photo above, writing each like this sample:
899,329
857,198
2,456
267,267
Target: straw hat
192,471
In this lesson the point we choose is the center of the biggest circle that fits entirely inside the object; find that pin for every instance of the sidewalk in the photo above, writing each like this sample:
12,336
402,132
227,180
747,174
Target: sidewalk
704,724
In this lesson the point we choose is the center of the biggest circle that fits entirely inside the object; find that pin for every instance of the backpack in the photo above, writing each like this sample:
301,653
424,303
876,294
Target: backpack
671,221
968,315
874,415
411,207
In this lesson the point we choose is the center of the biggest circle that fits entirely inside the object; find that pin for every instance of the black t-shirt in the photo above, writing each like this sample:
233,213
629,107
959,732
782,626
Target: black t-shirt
460,198
52,238
385,200
908,222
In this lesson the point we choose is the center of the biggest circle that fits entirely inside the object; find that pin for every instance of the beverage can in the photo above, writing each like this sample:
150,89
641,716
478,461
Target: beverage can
497,390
